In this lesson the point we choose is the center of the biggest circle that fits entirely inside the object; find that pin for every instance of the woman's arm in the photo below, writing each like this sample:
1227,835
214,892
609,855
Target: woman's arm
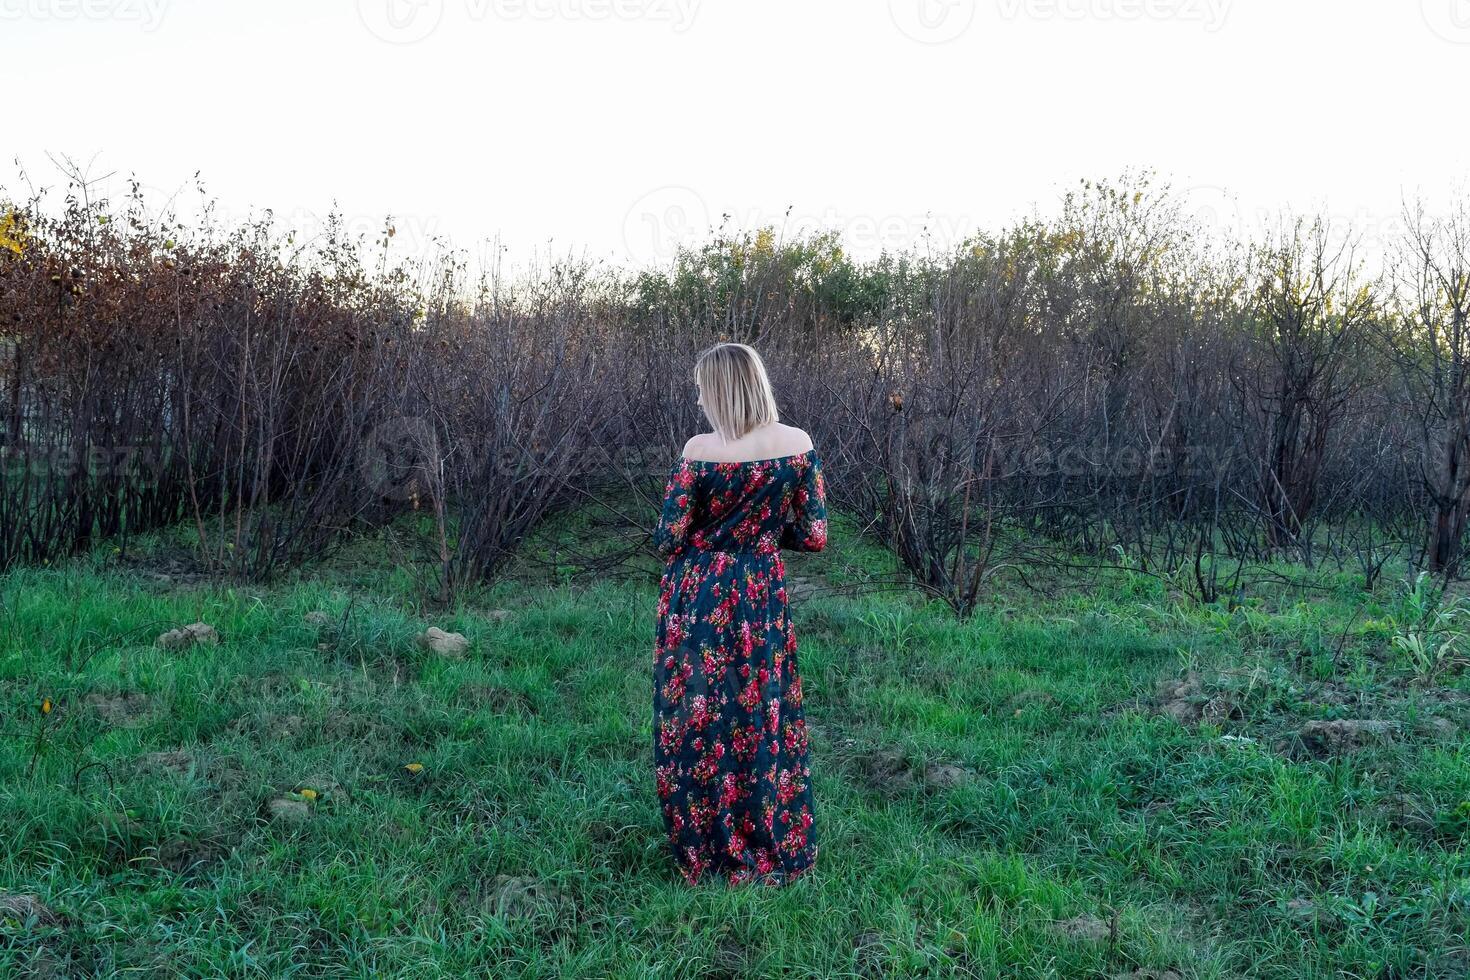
806,527
672,531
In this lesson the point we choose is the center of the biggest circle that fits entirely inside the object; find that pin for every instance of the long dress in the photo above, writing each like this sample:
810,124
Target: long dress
730,741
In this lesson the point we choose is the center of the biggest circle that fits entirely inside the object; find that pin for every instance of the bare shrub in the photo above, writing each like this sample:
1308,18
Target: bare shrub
1082,390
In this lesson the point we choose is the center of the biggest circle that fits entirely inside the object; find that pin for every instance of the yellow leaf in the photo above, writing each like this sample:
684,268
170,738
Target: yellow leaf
12,234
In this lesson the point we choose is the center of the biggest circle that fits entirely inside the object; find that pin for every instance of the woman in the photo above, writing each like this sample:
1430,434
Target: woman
730,742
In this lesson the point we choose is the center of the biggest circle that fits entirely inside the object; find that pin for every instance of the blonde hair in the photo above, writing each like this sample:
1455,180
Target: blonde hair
735,390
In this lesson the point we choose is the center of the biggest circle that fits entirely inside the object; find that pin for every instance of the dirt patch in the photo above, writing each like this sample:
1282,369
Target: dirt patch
496,698
887,771
125,710
223,774
185,856
843,745
1403,812
195,634
890,772
1189,703
272,684
166,763
1178,698
1439,729
288,811
799,588
26,911
363,729
1339,737
944,775
1449,699
1088,928
268,727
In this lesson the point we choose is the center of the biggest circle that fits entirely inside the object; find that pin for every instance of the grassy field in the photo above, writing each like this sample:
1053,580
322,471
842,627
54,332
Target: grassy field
1087,779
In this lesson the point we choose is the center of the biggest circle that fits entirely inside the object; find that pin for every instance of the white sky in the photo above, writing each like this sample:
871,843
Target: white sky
616,128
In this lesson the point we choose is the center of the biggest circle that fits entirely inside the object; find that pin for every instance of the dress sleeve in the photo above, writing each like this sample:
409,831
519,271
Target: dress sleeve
672,530
806,527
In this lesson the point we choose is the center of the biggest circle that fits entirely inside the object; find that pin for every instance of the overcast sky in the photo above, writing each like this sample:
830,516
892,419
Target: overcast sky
618,128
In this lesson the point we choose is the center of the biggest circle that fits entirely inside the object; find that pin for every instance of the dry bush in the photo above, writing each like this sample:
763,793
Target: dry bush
1060,392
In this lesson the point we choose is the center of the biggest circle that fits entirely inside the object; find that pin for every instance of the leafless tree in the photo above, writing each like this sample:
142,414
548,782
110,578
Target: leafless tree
1312,312
1431,341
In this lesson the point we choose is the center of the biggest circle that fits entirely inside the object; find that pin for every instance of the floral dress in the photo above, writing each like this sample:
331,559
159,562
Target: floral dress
729,740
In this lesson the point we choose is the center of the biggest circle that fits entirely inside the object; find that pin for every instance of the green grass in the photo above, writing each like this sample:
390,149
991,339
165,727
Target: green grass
1085,832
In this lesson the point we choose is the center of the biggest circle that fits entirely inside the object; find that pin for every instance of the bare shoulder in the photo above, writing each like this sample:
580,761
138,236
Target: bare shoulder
697,445
796,440
776,440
